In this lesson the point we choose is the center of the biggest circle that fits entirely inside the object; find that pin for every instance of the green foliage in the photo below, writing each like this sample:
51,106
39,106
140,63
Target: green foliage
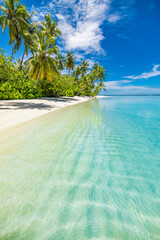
63,86
15,84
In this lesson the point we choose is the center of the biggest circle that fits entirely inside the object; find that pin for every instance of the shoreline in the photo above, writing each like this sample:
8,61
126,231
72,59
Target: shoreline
15,112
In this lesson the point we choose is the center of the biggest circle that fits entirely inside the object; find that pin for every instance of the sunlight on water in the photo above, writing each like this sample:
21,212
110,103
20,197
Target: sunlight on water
91,171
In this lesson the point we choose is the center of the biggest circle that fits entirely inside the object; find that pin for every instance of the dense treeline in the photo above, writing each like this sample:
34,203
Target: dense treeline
41,75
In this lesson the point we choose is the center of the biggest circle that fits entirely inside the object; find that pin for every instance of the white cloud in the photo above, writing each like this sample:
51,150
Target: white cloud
60,17
39,13
87,37
124,87
113,18
35,18
83,31
91,62
155,72
80,22
116,84
51,5
79,57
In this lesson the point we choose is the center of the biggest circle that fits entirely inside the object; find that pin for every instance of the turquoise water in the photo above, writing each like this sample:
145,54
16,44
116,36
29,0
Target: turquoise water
90,171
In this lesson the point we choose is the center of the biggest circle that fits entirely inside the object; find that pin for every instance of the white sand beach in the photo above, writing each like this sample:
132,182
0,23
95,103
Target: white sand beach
14,112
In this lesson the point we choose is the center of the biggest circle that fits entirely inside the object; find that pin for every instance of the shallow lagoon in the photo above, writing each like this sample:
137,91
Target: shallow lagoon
90,171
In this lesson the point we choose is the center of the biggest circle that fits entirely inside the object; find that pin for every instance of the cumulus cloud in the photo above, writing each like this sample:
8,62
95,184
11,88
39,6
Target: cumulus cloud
81,30
80,22
87,36
155,72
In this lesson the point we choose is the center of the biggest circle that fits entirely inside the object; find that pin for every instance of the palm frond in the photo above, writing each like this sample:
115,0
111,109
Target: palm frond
3,9
42,73
2,18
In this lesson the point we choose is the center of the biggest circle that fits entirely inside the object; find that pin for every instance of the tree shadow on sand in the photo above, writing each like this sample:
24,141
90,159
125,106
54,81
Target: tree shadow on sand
20,104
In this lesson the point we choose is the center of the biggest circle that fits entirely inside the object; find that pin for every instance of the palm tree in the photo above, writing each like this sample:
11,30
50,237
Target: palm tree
28,38
43,65
60,62
28,41
69,62
84,85
17,63
99,73
14,17
95,66
99,87
76,73
84,68
50,27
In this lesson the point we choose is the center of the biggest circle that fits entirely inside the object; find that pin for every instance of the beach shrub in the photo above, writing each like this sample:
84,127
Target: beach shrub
15,84
64,86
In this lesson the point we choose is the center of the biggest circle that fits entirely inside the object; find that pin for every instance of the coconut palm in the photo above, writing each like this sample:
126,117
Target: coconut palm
28,42
60,62
43,65
70,62
77,71
99,87
14,17
99,73
28,38
86,84
84,68
95,66
50,27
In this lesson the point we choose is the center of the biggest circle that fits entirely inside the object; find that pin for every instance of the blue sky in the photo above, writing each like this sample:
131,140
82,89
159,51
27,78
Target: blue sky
123,36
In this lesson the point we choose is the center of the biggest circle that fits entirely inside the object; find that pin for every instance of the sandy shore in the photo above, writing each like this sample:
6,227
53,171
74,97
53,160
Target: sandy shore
14,112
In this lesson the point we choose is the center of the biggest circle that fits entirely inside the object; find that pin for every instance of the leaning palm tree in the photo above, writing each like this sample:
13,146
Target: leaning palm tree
99,87
43,65
84,68
99,73
14,17
69,62
50,27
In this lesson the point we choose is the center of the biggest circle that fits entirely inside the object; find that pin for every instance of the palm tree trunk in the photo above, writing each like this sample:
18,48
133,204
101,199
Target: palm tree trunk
80,91
13,50
20,67
68,72
37,77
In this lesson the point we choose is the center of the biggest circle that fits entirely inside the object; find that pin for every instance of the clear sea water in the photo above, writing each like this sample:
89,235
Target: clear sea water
90,171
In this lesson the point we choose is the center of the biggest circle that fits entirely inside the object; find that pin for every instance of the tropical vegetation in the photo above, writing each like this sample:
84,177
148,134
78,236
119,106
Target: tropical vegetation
42,71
